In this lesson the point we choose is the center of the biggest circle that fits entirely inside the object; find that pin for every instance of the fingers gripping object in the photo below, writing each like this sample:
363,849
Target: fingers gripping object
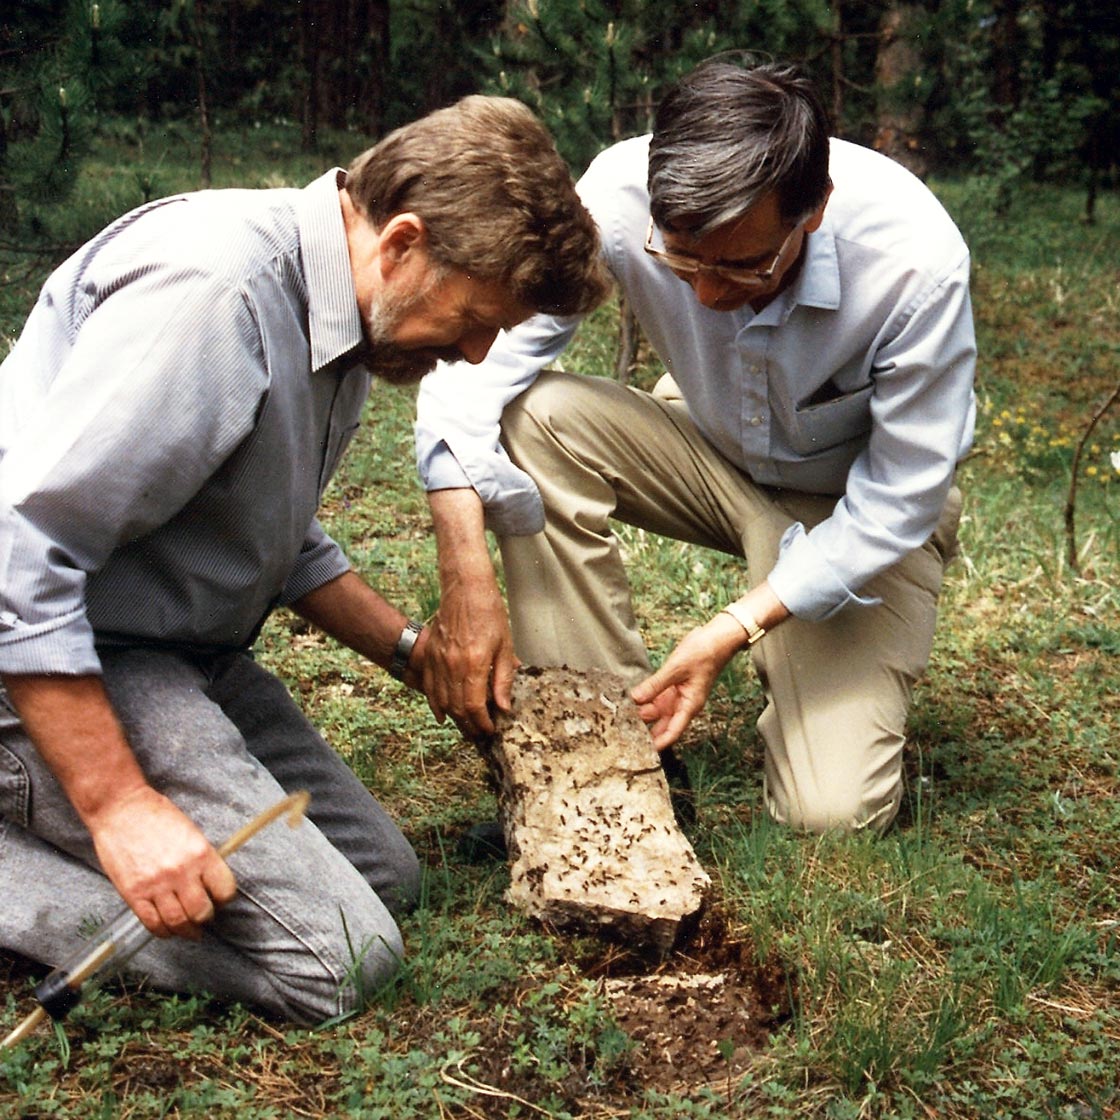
125,935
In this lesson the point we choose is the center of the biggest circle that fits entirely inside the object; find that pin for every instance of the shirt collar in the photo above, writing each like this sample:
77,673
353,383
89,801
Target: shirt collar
332,304
819,282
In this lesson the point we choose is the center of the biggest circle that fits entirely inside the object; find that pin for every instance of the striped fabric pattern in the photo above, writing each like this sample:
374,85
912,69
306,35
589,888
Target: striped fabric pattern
169,417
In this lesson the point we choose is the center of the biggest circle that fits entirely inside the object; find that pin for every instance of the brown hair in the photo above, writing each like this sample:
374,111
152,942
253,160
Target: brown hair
497,200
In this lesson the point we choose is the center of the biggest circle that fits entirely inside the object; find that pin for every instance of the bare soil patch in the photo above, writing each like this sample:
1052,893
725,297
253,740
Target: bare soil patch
696,1021
701,1017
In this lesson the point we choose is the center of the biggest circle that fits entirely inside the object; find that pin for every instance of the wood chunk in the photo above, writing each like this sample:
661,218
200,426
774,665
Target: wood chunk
584,806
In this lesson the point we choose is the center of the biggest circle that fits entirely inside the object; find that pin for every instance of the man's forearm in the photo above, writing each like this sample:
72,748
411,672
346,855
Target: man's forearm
73,726
459,524
352,612
161,864
471,659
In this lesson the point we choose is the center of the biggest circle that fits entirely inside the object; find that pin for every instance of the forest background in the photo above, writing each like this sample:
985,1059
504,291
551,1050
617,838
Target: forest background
1003,88
965,965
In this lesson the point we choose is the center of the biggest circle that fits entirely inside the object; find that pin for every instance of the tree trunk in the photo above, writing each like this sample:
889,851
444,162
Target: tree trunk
629,338
1006,57
9,211
1095,159
309,37
206,138
376,96
836,51
899,117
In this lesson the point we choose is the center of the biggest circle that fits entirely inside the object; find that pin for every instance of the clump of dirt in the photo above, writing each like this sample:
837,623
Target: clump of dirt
687,1028
699,1017
694,1020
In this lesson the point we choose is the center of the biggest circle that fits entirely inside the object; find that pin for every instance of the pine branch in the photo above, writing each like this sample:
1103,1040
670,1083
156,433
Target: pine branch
1071,501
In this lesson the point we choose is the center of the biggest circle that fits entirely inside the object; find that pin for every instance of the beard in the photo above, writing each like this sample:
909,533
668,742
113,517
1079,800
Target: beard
383,357
387,361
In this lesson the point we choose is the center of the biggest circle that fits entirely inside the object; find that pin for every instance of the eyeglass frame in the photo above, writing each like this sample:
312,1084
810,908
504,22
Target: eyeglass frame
746,277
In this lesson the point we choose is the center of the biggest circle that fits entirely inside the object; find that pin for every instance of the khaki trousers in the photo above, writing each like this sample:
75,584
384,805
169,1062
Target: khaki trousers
837,692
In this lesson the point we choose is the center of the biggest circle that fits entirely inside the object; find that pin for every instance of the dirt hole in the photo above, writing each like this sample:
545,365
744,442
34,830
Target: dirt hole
692,1021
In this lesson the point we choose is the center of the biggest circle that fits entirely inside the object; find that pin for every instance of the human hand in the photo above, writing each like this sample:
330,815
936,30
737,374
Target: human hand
160,862
468,657
670,698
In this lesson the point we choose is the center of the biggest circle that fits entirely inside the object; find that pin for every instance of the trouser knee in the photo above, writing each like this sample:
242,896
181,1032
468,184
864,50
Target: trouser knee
548,414
336,979
374,957
843,809
404,896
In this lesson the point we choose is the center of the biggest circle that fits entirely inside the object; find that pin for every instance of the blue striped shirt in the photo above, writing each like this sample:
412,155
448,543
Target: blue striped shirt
169,418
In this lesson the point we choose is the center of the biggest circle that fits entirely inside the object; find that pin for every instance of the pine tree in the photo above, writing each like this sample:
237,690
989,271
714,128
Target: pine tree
594,69
60,57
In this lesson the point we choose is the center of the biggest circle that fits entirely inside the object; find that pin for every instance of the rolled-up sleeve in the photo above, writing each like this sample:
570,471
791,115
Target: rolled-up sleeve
458,426
320,561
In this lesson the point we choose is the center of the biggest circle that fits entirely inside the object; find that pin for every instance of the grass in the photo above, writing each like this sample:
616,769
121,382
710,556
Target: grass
964,965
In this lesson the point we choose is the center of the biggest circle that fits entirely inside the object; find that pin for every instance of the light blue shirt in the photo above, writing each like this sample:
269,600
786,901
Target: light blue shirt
856,381
169,418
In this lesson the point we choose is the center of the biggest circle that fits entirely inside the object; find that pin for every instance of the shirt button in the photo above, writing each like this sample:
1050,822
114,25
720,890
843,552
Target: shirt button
756,420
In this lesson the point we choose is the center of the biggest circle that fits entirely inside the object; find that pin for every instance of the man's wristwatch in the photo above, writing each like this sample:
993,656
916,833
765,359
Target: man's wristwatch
399,661
746,620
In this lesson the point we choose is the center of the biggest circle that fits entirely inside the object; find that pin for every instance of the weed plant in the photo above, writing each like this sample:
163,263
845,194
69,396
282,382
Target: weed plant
964,965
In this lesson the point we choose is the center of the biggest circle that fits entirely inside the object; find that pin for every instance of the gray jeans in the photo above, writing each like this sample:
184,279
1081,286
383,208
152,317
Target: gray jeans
310,933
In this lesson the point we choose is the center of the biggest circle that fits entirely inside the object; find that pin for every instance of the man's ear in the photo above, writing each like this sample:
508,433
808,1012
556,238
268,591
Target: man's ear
814,221
402,236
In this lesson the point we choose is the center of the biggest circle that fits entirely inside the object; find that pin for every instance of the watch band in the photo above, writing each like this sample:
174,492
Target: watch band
746,620
399,661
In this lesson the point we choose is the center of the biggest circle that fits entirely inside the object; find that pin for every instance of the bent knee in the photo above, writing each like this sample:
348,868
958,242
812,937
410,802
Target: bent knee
373,965
552,389
841,809
557,406
404,895
525,418
344,977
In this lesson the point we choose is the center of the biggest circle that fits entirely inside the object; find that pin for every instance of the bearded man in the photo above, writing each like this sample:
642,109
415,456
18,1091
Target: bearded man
169,418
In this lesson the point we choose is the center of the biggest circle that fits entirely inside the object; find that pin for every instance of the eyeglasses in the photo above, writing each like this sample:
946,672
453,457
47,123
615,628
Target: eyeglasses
684,265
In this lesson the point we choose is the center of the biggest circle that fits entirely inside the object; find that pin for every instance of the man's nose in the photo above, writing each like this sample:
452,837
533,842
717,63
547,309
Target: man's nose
709,287
475,344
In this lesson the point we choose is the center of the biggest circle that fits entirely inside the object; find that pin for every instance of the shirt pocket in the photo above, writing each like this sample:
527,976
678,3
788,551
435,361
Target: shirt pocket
820,427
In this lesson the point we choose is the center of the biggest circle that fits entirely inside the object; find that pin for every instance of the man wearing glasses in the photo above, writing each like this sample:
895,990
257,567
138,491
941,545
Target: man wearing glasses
809,300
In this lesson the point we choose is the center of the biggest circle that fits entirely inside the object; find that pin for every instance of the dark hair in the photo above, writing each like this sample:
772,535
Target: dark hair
731,131
496,199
